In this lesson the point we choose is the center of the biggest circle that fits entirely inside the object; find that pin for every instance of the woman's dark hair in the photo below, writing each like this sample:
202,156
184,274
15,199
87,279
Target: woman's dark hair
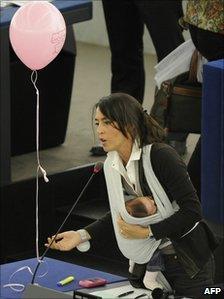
130,117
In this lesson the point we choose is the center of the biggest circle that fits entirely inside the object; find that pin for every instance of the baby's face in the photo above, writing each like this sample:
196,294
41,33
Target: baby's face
141,206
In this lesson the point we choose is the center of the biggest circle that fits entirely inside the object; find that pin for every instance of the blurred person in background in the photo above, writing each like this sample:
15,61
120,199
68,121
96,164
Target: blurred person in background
125,20
205,21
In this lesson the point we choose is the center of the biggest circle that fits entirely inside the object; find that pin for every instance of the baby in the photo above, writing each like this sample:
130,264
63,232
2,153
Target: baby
142,207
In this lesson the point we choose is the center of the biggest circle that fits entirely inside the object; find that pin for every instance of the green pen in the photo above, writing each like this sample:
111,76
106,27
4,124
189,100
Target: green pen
65,281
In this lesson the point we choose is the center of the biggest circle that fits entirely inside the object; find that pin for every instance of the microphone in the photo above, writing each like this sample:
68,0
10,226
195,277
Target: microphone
158,293
97,168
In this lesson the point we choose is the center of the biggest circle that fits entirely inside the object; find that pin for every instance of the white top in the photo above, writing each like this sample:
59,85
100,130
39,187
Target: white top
129,172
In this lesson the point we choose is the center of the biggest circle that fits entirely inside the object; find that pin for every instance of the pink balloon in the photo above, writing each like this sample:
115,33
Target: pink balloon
37,33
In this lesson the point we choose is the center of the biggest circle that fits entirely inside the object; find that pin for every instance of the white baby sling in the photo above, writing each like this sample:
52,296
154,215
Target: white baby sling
138,250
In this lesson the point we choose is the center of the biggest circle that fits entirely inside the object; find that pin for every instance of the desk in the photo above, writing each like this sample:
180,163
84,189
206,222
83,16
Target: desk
57,270
73,12
113,290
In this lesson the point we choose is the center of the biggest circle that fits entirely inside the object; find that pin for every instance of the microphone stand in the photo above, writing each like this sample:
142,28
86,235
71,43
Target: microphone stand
72,208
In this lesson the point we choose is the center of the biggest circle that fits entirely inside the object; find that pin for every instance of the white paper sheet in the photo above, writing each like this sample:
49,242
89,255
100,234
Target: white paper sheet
177,62
114,292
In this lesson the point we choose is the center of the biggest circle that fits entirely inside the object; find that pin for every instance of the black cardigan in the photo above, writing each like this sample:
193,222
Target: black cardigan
195,248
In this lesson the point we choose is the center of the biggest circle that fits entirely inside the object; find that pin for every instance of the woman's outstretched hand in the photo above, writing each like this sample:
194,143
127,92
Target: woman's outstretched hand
65,241
132,231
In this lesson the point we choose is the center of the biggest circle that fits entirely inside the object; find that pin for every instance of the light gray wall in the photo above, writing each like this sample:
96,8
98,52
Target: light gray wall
94,31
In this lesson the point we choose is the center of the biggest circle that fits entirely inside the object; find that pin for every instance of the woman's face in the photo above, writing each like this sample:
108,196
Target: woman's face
110,137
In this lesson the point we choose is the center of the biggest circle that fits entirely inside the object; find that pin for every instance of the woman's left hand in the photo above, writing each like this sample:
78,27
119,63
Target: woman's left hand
132,231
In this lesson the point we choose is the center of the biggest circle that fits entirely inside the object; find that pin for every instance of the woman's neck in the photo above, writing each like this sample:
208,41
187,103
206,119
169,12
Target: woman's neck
125,152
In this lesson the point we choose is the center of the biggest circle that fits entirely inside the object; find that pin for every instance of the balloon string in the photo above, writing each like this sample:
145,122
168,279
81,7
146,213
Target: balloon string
17,286
39,167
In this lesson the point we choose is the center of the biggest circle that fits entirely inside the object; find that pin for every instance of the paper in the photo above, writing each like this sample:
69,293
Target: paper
201,62
174,64
112,293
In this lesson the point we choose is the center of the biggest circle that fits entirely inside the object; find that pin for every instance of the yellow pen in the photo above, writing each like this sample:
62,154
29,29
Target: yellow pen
65,281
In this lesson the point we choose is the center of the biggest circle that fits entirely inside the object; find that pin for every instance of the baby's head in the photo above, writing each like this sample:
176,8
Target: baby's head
141,206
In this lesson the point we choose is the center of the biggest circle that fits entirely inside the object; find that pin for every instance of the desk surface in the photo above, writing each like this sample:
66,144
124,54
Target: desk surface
57,270
64,6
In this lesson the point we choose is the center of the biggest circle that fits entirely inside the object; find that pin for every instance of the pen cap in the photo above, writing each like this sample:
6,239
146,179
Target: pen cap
65,281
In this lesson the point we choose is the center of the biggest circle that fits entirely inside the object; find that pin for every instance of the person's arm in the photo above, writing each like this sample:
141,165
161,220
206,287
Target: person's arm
100,227
68,240
65,241
172,174
133,231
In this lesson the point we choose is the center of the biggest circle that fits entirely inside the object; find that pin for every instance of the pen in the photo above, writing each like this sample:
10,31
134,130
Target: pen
125,294
65,281
140,296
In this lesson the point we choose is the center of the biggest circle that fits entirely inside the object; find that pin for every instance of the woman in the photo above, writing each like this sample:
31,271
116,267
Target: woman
139,163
